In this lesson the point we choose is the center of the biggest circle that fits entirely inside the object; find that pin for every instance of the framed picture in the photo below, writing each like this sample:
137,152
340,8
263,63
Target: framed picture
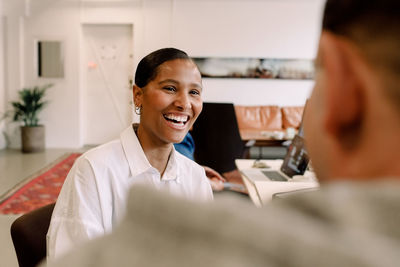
262,68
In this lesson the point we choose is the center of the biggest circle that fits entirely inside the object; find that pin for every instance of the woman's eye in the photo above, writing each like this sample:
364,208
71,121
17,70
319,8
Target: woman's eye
194,92
170,88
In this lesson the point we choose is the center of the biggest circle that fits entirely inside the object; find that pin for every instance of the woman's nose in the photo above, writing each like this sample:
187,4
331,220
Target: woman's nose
183,101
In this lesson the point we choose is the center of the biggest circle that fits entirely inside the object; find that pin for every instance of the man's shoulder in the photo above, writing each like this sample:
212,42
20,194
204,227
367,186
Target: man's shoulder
367,205
345,192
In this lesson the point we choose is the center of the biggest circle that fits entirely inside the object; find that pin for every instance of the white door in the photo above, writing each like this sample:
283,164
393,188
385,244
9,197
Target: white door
108,67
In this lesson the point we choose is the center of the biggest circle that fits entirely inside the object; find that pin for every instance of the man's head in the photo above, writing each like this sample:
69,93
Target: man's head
352,123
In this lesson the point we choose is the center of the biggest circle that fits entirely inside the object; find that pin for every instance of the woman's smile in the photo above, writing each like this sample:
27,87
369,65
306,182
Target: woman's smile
177,121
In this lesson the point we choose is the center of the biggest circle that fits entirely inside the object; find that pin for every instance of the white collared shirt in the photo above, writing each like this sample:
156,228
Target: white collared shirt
93,198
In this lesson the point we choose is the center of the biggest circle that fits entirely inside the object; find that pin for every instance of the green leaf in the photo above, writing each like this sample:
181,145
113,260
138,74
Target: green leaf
30,103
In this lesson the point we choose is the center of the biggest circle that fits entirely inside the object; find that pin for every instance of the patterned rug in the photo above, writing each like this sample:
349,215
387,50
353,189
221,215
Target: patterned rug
39,189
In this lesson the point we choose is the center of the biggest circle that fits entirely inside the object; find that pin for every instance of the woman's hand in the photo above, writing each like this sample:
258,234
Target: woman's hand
216,179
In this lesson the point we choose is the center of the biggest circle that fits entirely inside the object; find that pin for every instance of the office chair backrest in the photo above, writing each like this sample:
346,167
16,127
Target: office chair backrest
28,233
217,138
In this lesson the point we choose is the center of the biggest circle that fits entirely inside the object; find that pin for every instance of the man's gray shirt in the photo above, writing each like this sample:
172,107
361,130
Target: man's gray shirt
343,224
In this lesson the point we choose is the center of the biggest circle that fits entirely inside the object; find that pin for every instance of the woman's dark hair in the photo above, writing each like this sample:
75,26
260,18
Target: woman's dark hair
147,68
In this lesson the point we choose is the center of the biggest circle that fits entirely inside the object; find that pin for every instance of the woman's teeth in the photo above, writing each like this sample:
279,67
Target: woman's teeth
176,119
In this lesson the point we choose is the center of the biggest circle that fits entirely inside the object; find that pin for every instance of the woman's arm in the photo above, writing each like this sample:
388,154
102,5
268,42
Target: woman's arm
78,214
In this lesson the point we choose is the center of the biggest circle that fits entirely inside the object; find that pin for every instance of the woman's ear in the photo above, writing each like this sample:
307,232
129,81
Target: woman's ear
137,96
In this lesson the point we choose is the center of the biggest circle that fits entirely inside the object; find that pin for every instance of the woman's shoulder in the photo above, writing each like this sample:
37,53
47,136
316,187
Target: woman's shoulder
103,163
104,153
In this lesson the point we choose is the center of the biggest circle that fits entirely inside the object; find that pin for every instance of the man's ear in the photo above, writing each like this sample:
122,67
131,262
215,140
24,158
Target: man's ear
344,90
137,96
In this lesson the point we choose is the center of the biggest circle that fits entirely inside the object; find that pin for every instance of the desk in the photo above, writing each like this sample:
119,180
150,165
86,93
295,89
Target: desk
261,192
263,138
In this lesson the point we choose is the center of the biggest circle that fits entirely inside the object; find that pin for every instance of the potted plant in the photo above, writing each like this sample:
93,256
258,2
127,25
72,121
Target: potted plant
26,109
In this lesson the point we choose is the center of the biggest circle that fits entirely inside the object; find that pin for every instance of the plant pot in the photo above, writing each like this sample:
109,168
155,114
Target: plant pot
32,138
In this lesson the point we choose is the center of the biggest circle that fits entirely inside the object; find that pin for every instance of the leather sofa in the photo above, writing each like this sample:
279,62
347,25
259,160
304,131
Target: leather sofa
266,128
268,118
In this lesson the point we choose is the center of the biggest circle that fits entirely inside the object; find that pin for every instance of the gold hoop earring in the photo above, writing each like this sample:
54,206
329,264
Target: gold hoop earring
138,110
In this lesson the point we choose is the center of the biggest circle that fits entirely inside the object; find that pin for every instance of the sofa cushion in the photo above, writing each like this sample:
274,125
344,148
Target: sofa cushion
259,117
291,116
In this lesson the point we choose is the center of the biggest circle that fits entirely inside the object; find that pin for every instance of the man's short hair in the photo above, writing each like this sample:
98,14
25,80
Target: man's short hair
374,26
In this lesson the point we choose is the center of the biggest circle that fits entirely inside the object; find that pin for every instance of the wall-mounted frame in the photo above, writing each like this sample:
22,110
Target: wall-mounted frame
263,68
49,58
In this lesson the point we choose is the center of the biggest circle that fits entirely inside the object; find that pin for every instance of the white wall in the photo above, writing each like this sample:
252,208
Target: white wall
2,90
12,40
62,115
270,29
223,28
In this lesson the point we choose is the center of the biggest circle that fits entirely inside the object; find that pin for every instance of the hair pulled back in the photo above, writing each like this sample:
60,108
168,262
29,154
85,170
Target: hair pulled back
147,68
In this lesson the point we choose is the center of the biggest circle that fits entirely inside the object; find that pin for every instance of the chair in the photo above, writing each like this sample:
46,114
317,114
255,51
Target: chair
28,233
217,138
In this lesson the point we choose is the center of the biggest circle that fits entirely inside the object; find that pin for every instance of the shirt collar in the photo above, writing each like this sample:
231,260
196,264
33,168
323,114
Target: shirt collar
134,153
171,172
137,160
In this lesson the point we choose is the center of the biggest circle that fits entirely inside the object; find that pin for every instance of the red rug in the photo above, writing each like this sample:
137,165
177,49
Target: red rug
39,189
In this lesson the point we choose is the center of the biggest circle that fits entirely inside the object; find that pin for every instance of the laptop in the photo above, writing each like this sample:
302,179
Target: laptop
295,162
263,183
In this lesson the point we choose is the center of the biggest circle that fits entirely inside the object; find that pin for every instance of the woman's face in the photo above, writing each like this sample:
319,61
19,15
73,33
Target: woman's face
171,102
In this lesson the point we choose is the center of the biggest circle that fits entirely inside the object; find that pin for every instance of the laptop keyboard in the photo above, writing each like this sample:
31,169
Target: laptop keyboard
274,176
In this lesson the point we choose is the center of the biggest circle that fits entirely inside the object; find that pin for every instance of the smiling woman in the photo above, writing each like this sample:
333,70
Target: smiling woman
171,102
167,95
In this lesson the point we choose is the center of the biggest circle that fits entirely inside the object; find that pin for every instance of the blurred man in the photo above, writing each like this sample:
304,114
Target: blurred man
354,121
352,129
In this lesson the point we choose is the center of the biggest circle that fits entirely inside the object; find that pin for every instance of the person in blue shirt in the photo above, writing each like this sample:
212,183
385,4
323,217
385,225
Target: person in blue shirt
186,147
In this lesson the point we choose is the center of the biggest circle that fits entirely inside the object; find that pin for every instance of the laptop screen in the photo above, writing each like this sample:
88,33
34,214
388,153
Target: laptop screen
296,159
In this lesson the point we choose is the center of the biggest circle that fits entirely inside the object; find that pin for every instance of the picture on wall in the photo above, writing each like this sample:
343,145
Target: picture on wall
263,68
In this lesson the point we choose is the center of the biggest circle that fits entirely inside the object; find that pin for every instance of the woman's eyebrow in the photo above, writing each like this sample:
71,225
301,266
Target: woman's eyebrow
198,85
177,82
169,81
